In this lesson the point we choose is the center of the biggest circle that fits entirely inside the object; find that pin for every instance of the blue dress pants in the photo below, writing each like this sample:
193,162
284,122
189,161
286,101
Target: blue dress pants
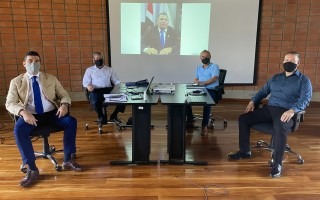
23,130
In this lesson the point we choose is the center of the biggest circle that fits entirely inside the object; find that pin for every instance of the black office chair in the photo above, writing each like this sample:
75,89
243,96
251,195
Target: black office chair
219,93
268,128
43,131
104,109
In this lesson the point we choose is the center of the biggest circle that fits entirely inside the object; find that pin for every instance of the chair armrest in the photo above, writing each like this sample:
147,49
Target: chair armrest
297,118
300,115
13,116
86,92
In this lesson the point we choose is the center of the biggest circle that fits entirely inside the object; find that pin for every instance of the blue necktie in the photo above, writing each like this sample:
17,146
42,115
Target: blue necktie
37,95
162,38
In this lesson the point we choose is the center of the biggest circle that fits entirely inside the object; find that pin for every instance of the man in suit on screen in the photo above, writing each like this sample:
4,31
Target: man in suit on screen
161,39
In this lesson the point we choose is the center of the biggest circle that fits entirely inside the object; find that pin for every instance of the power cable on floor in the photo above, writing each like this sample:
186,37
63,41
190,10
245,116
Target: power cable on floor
206,189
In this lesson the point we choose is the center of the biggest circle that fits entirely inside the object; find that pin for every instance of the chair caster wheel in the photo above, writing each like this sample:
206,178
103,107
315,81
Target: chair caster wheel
270,163
225,124
52,148
100,131
300,161
87,127
23,169
58,168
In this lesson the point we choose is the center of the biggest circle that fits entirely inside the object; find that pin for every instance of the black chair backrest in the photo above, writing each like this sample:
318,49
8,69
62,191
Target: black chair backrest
220,88
222,76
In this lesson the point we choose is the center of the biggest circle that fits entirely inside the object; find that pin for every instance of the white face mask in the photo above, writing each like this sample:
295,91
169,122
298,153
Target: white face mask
33,68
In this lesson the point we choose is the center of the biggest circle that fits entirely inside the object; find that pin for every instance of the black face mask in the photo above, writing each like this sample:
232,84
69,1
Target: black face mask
205,60
99,63
289,66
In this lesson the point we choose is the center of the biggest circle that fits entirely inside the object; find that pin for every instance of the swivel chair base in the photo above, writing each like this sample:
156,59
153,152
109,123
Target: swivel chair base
263,145
47,153
120,126
212,120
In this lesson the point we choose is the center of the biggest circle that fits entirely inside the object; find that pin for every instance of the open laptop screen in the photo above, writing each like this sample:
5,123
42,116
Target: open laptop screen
149,89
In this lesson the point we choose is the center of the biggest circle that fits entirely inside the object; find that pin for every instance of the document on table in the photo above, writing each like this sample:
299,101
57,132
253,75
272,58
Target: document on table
115,97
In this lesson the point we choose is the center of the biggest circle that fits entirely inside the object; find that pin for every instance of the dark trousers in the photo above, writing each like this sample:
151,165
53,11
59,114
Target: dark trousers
22,132
206,110
265,114
96,100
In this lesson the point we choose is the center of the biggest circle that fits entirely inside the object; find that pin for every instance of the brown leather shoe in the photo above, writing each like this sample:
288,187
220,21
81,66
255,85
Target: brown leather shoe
204,130
31,177
71,165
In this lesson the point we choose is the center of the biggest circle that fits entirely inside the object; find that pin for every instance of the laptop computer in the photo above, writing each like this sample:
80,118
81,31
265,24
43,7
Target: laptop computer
149,89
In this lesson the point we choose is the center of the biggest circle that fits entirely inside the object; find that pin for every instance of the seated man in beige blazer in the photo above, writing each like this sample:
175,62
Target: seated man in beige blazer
38,98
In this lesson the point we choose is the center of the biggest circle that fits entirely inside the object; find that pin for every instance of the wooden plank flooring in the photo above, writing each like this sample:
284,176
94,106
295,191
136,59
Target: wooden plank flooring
220,179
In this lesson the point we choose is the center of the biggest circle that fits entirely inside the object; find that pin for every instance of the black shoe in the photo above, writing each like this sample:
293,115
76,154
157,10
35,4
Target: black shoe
115,119
276,171
238,155
71,165
31,177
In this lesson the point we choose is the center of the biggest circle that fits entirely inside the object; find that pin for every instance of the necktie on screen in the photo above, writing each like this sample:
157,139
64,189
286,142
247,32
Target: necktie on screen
162,38
37,95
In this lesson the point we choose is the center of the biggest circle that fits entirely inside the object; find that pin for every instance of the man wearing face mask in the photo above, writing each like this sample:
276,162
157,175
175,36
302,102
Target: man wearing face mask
206,74
290,92
99,80
38,98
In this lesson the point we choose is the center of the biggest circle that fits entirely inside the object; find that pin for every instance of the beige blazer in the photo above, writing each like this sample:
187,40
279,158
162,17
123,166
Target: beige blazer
19,91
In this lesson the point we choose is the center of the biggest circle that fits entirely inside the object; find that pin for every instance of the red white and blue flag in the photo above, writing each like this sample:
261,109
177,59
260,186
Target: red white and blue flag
149,12
152,11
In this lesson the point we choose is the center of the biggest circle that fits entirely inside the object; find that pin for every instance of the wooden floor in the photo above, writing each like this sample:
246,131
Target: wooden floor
220,179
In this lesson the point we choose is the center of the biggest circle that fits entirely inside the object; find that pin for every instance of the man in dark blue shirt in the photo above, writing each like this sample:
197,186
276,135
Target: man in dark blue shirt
290,92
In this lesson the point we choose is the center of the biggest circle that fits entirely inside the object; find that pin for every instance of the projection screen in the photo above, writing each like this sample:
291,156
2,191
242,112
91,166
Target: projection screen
227,28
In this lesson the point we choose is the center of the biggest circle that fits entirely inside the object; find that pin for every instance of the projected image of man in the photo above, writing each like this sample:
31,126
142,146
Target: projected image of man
161,39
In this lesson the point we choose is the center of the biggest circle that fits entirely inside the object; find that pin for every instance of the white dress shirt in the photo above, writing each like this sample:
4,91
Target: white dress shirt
100,78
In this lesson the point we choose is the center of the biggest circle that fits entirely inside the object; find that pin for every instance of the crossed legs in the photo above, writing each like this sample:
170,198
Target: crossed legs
281,129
